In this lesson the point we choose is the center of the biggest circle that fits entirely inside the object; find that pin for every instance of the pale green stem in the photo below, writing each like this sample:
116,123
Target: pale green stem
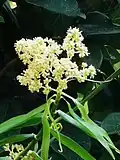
58,96
99,88
57,100
93,93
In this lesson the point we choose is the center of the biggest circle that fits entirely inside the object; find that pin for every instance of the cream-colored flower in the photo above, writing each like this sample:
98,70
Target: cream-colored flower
92,71
47,61
14,150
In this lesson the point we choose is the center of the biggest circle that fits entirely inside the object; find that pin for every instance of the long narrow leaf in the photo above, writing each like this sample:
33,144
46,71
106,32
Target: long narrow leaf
91,129
4,158
72,145
15,138
74,122
18,121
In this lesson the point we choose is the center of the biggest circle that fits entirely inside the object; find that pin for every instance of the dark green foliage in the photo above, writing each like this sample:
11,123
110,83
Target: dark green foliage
100,22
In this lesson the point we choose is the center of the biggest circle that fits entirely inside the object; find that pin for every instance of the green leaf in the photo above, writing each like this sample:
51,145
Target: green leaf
69,7
111,54
32,122
46,137
2,19
2,2
92,29
71,120
57,156
4,158
106,156
115,15
98,26
51,14
80,137
86,107
80,96
10,12
96,57
15,138
116,65
112,123
118,1
71,144
90,128
21,120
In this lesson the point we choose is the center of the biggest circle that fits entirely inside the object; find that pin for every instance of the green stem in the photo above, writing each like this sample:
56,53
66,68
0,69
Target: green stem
30,145
57,100
99,88
93,93
90,96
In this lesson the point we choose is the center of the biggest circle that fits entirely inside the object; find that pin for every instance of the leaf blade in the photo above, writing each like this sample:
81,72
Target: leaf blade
71,144
20,120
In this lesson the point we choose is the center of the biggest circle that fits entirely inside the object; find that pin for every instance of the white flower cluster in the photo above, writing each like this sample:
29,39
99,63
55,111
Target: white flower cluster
47,61
14,150
73,43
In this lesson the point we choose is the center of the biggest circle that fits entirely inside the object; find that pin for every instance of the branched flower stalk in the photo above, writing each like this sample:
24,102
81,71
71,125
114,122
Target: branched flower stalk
47,61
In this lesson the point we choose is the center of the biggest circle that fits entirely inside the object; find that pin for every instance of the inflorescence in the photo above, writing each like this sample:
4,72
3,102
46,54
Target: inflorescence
47,61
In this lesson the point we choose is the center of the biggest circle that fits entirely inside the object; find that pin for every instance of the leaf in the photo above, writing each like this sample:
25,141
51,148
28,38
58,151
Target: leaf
46,137
72,121
97,18
86,107
112,123
116,65
52,13
111,54
92,29
92,129
80,96
2,19
54,20
2,2
71,144
98,24
118,1
68,8
15,138
9,11
106,156
21,120
32,122
72,132
115,15
57,156
4,158
96,57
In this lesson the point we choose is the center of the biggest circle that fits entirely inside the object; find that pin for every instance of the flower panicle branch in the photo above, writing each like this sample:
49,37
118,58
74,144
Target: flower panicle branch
47,61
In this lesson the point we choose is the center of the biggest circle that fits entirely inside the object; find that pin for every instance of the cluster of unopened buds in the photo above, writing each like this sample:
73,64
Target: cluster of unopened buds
47,61
14,150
